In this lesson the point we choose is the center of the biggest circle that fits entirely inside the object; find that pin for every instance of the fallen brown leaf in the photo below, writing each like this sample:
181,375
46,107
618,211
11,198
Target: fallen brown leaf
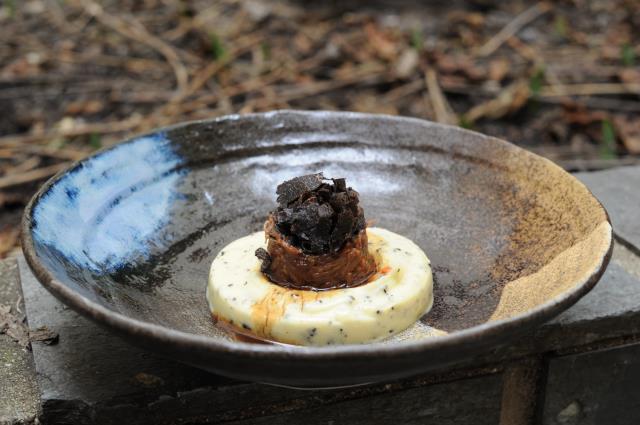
13,325
498,69
511,99
450,64
407,63
629,75
302,43
44,334
8,239
582,116
439,103
474,19
629,131
148,380
382,44
80,107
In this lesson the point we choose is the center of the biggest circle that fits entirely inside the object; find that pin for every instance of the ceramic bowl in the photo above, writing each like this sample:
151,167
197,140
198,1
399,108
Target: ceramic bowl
126,236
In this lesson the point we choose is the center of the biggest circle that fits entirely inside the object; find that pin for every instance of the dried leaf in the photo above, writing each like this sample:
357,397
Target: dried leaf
629,131
20,334
45,335
629,75
473,19
5,317
257,10
84,107
8,239
450,64
583,116
382,44
13,326
498,69
508,101
439,102
407,64
302,43
148,380
370,102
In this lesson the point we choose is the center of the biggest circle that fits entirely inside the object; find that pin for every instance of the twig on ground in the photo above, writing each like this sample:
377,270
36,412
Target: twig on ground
536,58
404,90
509,100
512,28
60,153
24,166
595,103
31,176
590,89
442,109
241,88
132,29
294,92
205,74
81,130
523,49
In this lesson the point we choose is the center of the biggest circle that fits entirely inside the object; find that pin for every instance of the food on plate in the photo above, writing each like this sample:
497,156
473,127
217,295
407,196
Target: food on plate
318,275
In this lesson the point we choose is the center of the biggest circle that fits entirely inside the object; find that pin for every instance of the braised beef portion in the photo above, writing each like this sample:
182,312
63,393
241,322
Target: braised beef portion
316,214
316,238
287,266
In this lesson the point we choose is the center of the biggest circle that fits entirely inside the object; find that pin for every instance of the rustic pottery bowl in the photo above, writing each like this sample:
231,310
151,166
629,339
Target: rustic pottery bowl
126,236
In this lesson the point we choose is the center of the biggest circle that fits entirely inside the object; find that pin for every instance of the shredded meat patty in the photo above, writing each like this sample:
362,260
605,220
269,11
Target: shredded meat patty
316,238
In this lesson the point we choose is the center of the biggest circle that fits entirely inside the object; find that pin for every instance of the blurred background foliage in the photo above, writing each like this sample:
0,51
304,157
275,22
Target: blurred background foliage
560,78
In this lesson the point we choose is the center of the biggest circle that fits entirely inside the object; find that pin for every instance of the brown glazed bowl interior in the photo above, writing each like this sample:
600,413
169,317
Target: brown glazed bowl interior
126,236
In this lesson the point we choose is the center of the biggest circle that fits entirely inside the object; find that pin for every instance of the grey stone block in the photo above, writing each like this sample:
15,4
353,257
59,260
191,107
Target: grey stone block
19,402
470,401
595,388
619,191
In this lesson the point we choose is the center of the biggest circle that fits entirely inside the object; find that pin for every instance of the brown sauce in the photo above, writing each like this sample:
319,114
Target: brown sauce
241,334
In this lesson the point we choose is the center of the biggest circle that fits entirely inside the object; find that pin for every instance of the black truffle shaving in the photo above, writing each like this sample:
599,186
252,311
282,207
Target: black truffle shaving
263,255
316,214
291,190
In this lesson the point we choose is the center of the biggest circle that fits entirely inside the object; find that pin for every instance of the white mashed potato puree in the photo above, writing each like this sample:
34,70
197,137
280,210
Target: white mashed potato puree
394,298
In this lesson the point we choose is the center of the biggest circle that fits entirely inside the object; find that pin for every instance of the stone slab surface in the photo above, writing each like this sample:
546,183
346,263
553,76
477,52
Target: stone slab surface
466,402
19,401
619,191
600,387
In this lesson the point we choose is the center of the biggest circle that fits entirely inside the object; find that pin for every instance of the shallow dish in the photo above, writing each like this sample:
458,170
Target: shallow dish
126,236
